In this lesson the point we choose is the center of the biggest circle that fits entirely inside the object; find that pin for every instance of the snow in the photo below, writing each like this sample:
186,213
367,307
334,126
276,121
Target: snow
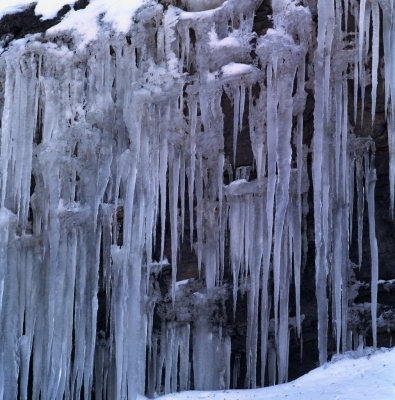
383,282
84,23
202,5
371,376
180,283
46,8
235,69
226,42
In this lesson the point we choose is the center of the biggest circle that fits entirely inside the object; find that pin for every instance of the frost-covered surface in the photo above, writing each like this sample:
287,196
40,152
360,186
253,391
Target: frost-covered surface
132,123
352,377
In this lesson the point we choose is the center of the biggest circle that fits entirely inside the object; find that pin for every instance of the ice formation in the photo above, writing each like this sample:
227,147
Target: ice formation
133,123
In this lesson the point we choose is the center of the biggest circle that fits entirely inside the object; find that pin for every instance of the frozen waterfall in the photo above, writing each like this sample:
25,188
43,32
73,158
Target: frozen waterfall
112,142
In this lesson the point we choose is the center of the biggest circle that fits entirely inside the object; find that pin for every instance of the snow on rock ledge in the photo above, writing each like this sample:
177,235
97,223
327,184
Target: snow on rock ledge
202,5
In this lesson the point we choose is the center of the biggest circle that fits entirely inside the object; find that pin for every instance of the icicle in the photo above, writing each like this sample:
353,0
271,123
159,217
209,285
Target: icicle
236,119
337,275
284,155
338,135
162,182
363,40
182,195
320,175
301,345
391,150
191,176
236,370
388,64
184,358
272,160
6,129
173,205
329,15
375,54
360,207
297,258
207,364
305,210
344,142
356,85
254,243
235,239
346,15
283,330
345,215
199,215
350,190
370,183
272,366
266,300
361,34
221,261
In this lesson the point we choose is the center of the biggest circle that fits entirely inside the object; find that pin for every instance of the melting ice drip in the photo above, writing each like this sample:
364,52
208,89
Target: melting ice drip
86,130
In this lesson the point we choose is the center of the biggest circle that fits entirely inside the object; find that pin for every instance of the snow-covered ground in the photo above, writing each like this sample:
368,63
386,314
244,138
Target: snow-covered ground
371,376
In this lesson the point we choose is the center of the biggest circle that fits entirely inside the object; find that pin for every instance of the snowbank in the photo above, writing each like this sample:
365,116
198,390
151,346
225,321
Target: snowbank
369,377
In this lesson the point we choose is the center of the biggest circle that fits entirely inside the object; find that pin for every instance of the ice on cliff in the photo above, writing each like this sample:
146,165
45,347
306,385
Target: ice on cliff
119,107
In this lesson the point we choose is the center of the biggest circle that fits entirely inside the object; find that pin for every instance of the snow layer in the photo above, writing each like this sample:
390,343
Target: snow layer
85,22
371,376
46,8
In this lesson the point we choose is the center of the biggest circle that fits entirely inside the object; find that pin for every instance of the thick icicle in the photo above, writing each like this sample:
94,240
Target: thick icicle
370,183
391,150
375,54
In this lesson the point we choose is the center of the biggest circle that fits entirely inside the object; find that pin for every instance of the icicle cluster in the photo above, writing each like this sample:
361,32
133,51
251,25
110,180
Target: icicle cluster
342,55
133,126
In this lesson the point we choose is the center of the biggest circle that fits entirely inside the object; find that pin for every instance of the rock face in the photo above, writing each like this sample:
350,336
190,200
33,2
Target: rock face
204,90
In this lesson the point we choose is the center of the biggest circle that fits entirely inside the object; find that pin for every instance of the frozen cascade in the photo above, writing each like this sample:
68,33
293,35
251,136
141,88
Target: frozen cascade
131,128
